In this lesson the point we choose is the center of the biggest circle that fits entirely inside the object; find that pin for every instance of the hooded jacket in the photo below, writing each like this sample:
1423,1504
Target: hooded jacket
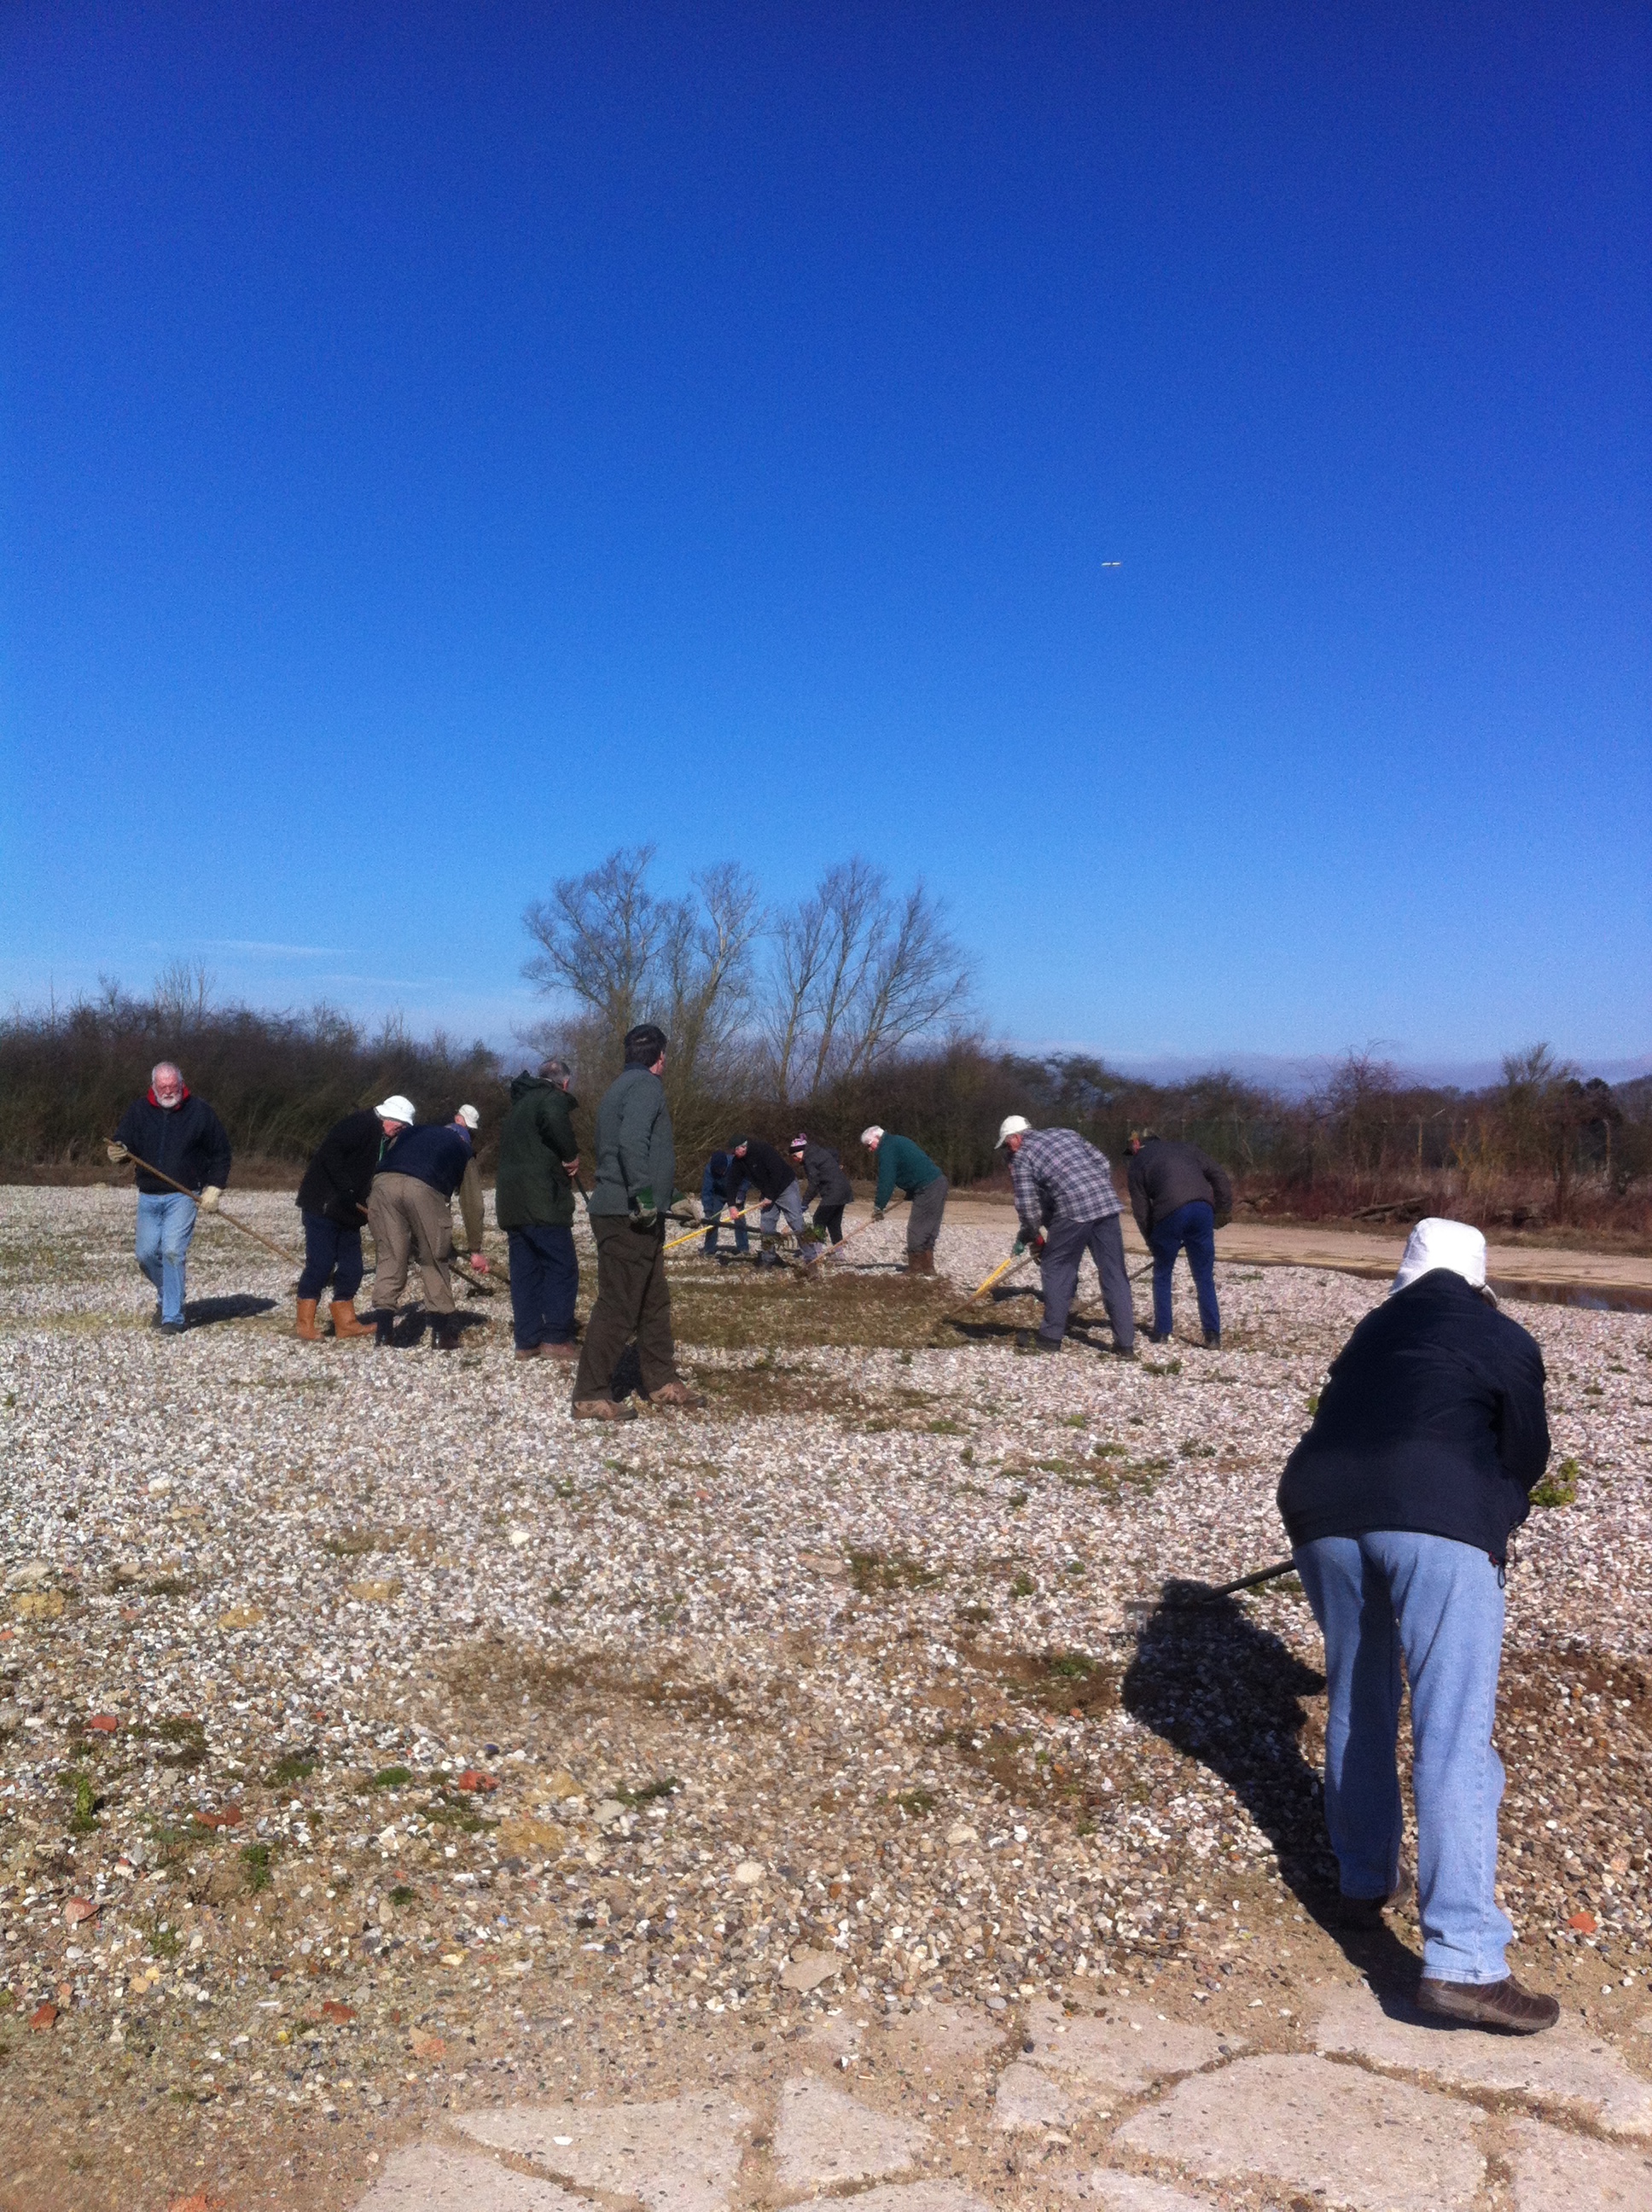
187,1142
634,1148
533,1188
1163,1176
340,1173
1432,1421
827,1182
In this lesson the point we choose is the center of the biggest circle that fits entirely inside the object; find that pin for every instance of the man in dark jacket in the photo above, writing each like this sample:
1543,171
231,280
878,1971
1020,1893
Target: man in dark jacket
533,1199
713,1197
825,1185
1178,1194
179,1133
630,1201
754,1166
1399,1503
332,1203
411,1210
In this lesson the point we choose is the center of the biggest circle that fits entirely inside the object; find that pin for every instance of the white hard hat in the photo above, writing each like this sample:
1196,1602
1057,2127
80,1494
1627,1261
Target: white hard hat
1013,1125
469,1117
1439,1243
396,1109
872,1135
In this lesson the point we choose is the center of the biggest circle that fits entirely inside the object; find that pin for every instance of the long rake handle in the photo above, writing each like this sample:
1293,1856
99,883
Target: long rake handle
1245,1582
234,1221
834,1251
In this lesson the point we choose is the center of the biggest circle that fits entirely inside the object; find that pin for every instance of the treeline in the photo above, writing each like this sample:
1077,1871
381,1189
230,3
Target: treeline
1542,1147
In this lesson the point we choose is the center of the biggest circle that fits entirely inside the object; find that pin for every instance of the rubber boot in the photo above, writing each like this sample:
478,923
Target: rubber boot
306,1327
925,1263
344,1322
384,1327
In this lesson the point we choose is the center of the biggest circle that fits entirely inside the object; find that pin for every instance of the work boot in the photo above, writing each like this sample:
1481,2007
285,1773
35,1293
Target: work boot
306,1327
528,1352
344,1323
1212,1339
384,1327
602,1409
923,1263
567,1353
444,1332
675,1393
1488,2004
1036,1343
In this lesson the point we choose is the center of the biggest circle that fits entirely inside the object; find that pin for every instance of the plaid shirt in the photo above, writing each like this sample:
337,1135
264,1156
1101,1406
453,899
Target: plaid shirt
1057,1177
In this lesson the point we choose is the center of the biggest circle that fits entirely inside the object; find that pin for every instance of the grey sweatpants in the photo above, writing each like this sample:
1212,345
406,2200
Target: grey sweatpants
406,1216
1065,1244
924,1216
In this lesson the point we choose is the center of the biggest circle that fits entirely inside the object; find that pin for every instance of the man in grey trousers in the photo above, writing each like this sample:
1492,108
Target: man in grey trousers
1067,1206
629,1203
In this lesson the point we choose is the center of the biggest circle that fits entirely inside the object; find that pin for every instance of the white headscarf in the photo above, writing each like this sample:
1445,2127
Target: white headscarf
1438,1244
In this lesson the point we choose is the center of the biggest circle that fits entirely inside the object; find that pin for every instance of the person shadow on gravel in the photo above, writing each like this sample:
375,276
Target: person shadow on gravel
1211,1680
239,1305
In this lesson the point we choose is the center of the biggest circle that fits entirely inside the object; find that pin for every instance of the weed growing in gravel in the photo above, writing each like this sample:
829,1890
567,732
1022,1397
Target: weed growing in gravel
297,1766
1559,1488
83,1820
402,1896
647,1792
391,1777
169,1586
875,1573
255,1857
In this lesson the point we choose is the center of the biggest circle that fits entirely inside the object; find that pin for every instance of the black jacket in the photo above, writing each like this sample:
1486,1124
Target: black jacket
437,1154
827,1181
1432,1421
763,1169
340,1175
185,1142
1163,1176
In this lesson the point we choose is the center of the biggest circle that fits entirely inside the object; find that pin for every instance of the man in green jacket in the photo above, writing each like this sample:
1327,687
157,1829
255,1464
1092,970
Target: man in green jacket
901,1165
630,1201
534,1198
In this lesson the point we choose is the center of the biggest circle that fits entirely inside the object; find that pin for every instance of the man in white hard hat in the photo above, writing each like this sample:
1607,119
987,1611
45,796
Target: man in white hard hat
1066,1205
411,1211
1399,1503
332,1204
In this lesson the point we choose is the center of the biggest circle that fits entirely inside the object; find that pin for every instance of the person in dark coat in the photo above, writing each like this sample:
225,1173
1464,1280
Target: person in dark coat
533,1199
824,1183
756,1166
410,1210
713,1197
1180,1197
1399,1503
332,1203
172,1130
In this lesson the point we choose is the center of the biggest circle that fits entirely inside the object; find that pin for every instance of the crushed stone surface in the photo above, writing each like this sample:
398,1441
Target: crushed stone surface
379,1748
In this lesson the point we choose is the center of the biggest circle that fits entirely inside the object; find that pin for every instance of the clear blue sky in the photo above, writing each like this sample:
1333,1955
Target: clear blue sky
440,444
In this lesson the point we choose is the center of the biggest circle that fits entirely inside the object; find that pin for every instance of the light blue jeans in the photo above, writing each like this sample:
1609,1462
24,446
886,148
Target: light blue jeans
166,1224
1441,1602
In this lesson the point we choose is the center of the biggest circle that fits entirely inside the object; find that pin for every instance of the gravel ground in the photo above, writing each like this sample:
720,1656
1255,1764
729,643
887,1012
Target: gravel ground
371,1734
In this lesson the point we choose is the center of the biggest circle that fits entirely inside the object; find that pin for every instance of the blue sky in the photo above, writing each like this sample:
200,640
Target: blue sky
439,445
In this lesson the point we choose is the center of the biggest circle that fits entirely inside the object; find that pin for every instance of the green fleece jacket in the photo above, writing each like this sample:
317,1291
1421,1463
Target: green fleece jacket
635,1149
901,1166
533,1189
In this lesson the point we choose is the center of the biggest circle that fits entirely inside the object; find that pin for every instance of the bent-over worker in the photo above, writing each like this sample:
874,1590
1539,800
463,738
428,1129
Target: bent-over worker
901,1165
1399,1503
173,1131
1066,1205
332,1204
411,1211
825,1184
1179,1196
757,1166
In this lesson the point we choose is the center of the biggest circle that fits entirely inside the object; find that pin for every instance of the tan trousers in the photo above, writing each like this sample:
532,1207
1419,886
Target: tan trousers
406,1216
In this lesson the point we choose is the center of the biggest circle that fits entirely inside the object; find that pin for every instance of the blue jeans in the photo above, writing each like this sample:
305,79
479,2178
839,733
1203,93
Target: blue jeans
742,1237
166,1224
1441,1602
1193,1225
544,1284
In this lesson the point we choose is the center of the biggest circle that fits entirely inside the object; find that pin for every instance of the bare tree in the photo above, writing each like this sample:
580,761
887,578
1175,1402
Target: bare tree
600,936
857,976
183,994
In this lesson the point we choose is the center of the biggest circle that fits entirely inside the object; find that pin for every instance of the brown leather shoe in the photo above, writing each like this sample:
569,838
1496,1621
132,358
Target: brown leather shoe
344,1323
1502,2004
602,1409
675,1393
306,1328
567,1353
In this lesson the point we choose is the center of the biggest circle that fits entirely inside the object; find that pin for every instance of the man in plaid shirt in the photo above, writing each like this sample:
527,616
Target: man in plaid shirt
1064,1196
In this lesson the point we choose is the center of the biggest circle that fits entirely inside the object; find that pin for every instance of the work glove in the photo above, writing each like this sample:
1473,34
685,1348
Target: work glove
210,1196
117,1154
877,1213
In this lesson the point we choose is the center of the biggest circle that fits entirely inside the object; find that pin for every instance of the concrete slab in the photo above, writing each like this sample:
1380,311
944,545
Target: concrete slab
1316,2127
1566,2065
823,2137
920,2196
430,2178
1558,2172
944,2031
1126,2048
677,2156
1132,2192
1027,2098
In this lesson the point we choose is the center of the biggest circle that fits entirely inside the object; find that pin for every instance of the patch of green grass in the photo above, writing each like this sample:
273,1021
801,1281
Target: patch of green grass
1018,1498
83,1820
1559,1488
1075,1566
944,1428
1023,1586
1075,1420
164,1941
647,1792
1071,1666
916,1801
1161,1367
391,1777
297,1766
875,1574
1191,1448
1109,1451
402,1895
448,1813
255,1857
1312,1402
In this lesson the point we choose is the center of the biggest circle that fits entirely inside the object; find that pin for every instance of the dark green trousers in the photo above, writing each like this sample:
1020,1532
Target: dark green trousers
632,1301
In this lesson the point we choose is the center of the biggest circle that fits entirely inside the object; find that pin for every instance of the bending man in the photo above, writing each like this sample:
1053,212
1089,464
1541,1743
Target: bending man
1178,1196
1067,1206
411,1210
903,1166
1399,1503
332,1203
